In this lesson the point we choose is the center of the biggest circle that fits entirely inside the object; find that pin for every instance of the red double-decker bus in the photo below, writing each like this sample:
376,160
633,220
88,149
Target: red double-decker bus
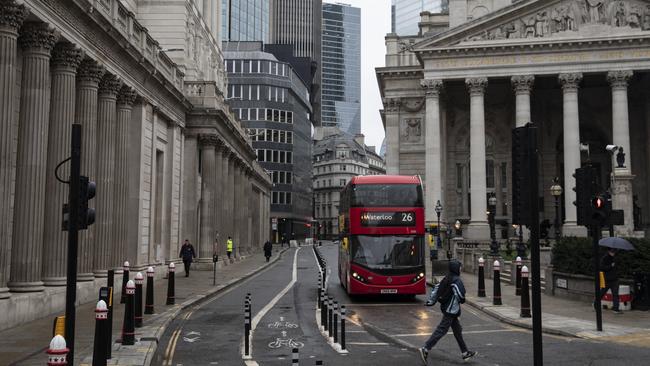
381,230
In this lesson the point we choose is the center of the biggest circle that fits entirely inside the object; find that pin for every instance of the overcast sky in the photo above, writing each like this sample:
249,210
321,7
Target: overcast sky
375,24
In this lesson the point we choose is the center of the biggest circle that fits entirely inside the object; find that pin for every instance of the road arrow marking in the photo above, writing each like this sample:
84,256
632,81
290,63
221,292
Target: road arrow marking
191,340
193,333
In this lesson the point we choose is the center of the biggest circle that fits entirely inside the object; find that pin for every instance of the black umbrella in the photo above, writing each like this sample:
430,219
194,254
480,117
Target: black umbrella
616,243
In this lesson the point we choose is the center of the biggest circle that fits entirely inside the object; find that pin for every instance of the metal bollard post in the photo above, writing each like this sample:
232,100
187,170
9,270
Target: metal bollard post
139,279
128,328
109,324
481,277
247,327
335,322
496,294
171,293
525,295
322,308
318,294
99,344
125,279
330,305
342,326
58,352
294,357
325,311
148,306
518,276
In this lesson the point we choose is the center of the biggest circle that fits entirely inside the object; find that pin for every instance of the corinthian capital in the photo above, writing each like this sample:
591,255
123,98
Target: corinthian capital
89,70
36,35
208,140
619,78
66,55
126,96
109,84
12,15
391,105
476,86
570,81
522,84
432,87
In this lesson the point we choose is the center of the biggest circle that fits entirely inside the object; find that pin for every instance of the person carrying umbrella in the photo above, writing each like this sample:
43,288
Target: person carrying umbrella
608,267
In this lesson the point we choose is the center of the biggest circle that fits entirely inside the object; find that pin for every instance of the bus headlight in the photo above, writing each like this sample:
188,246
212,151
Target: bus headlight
358,277
418,277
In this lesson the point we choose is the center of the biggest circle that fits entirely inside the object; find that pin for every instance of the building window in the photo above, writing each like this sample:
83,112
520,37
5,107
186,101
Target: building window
289,178
504,175
289,157
489,173
274,198
289,137
343,167
342,182
275,156
288,198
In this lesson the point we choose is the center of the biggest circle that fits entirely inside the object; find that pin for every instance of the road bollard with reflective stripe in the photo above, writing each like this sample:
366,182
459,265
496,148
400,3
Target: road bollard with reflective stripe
139,279
109,324
342,326
294,357
247,328
125,279
525,295
481,277
128,328
58,352
496,293
325,312
330,308
99,344
335,322
518,276
318,294
148,306
171,285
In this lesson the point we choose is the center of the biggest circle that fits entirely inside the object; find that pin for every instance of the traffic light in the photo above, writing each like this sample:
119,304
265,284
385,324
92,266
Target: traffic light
599,212
87,190
586,189
522,138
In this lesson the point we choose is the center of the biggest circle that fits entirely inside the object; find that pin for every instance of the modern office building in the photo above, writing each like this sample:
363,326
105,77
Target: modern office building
337,158
245,20
272,102
341,72
405,14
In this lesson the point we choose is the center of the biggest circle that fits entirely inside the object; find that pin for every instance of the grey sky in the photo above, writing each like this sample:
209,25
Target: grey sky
375,24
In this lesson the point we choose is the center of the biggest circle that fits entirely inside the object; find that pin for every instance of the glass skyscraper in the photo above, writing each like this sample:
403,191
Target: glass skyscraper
245,20
406,14
341,72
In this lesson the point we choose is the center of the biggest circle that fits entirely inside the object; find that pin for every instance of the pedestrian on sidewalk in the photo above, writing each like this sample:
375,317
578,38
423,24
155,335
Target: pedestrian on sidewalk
450,292
608,266
229,246
187,253
268,248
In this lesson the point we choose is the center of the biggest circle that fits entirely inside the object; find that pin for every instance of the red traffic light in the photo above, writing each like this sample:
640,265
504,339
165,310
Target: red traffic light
598,203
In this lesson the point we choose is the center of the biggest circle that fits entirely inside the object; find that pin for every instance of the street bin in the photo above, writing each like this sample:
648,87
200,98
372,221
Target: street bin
641,299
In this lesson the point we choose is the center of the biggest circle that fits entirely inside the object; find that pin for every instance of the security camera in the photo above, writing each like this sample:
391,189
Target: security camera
611,148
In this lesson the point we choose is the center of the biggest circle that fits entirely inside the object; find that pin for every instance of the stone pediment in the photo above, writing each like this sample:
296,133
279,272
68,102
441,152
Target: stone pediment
548,20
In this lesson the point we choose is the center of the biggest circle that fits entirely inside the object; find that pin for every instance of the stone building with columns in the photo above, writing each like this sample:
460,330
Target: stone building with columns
145,80
578,70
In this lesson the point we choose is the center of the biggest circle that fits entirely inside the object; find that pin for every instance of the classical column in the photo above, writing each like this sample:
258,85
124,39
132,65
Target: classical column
223,203
11,18
571,126
218,194
88,77
65,60
522,85
478,227
433,148
620,118
208,145
190,194
391,111
231,197
104,243
125,99
36,41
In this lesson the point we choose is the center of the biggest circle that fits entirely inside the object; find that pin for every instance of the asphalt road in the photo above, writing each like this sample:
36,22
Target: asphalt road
381,331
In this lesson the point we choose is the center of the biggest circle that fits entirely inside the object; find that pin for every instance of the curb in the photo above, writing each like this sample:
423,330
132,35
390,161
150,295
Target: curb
171,314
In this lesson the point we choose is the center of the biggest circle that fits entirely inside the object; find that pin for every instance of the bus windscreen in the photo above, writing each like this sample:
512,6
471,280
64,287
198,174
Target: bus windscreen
387,251
387,195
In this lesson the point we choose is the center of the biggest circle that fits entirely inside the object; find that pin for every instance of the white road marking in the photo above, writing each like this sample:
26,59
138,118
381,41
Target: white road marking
191,340
467,332
368,343
193,333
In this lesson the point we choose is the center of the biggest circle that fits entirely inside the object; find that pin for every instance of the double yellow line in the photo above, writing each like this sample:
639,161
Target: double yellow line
171,346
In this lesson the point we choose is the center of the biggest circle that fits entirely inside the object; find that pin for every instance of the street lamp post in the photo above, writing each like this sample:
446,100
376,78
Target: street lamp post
448,241
457,226
438,209
556,191
494,246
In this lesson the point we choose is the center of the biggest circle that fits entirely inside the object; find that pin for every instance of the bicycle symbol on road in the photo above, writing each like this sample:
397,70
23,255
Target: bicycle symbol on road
286,342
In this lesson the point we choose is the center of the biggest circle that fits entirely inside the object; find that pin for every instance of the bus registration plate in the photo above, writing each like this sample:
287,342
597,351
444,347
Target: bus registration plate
388,290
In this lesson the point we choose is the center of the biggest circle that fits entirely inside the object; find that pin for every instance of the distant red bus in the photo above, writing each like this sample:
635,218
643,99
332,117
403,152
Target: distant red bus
381,232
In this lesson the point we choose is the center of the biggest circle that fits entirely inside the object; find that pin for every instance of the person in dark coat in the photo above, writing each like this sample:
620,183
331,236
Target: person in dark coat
450,292
187,254
268,248
608,267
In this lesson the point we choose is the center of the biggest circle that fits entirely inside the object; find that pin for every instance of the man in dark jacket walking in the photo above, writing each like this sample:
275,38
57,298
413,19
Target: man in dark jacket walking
187,253
268,248
608,266
450,292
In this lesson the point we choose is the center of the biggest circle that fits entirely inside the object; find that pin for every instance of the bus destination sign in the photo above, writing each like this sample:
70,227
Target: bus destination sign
399,218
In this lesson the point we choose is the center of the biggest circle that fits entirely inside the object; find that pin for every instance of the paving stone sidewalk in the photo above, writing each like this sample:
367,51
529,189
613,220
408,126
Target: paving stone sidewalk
25,345
562,316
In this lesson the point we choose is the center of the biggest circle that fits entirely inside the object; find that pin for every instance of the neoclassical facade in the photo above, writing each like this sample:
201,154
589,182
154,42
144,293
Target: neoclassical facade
168,156
576,69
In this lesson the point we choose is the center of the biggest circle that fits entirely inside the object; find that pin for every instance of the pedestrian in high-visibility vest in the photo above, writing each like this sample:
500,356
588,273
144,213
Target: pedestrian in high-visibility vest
229,247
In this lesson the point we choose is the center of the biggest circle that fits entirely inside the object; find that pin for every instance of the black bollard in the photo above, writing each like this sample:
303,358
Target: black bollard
496,294
148,306
109,324
330,306
139,279
481,277
128,328
325,304
335,322
525,296
125,279
318,294
295,357
99,344
342,326
247,327
171,296
319,362
518,276
322,308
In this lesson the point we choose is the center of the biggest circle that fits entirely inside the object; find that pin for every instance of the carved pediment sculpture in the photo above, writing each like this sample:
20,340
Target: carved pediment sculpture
574,17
